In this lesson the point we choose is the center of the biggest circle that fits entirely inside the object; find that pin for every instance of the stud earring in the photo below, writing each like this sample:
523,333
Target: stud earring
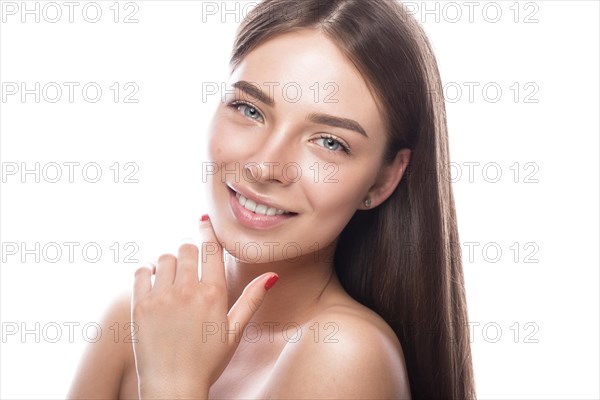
367,202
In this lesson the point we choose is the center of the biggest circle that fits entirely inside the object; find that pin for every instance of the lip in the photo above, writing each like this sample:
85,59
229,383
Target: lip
251,220
258,198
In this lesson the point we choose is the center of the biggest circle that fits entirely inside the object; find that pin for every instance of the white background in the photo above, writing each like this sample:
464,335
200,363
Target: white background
533,307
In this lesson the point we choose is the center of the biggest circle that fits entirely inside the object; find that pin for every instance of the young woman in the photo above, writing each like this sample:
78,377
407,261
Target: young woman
326,156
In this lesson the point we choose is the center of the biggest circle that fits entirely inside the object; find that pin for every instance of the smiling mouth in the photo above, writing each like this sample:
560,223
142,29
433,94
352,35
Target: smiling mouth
258,208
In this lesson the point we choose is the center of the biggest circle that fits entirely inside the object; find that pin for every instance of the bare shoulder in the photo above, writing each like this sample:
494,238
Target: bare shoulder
345,351
107,362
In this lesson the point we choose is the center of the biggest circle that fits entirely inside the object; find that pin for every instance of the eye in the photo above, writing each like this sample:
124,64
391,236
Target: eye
247,110
331,143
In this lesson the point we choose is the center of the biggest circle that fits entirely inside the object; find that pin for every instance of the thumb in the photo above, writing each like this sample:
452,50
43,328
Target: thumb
249,302
211,262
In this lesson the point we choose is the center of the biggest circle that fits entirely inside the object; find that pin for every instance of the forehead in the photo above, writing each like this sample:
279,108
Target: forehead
306,71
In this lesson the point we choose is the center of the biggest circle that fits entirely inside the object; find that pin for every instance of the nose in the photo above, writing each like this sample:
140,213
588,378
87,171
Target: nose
271,172
274,162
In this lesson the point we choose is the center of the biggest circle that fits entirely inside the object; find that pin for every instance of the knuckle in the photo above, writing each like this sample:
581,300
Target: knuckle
254,303
186,263
187,292
212,294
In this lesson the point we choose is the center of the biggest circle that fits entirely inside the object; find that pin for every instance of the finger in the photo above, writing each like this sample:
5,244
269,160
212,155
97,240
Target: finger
213,269
165,271
142,284
249,302
187,264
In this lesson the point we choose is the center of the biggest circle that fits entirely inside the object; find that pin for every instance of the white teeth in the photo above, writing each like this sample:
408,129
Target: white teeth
242,202
258,208
250,205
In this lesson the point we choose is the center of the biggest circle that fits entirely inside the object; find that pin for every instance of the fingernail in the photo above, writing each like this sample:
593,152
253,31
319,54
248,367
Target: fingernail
204,218
271,281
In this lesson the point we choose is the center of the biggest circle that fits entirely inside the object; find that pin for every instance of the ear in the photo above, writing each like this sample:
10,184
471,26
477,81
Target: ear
388,179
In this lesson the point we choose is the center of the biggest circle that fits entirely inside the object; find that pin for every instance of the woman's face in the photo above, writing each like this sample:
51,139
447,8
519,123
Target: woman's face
305,137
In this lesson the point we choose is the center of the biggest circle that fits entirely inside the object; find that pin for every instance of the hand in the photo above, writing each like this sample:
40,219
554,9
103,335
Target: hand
184,337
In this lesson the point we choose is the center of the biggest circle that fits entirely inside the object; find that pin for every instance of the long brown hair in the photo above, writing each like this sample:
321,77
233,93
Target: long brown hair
401,258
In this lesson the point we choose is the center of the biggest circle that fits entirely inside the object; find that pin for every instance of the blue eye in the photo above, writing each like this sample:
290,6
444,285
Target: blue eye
247,110
330,143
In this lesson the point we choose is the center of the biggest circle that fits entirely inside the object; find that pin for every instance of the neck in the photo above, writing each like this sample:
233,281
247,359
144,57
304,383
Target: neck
298,292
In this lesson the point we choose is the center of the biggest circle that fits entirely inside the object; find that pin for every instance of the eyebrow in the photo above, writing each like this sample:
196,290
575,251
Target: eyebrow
254,91
318,118
337,122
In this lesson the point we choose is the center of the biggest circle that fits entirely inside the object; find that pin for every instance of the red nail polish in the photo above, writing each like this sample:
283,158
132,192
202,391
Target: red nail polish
271,281
204,218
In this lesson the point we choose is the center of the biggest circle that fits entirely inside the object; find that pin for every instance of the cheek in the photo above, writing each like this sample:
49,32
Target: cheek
223,143
332,185
335,197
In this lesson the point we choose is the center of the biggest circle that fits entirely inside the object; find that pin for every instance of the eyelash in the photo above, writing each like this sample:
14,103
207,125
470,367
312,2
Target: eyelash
237,103
344,147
